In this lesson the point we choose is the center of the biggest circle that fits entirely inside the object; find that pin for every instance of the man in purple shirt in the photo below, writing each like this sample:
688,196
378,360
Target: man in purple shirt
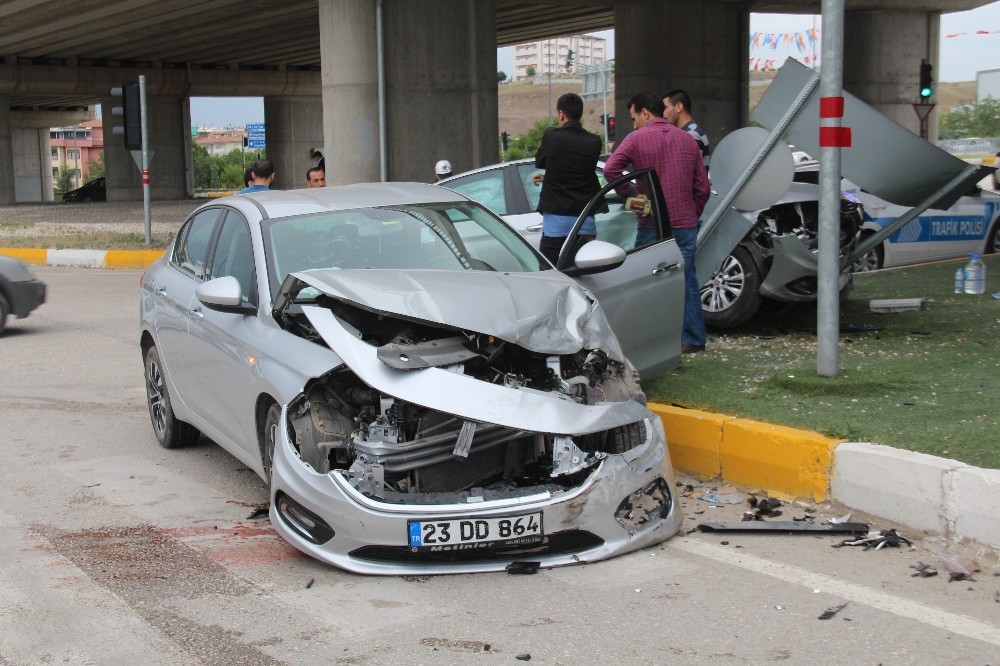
676,157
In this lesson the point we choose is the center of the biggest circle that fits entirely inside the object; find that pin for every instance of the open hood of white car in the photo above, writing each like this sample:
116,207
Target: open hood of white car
545,313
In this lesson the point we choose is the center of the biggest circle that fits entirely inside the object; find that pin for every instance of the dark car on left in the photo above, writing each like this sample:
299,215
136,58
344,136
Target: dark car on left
20,291
93,190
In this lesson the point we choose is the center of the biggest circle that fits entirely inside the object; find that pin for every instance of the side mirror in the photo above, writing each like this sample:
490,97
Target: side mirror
596,257
223,294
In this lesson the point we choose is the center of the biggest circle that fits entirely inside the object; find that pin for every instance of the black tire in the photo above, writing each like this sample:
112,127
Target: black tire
992,241
269,439
170,432
872,261
732,295
4,311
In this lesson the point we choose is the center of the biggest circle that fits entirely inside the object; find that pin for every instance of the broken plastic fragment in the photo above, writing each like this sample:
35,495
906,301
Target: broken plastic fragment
956,570
923,570
831,611
843,519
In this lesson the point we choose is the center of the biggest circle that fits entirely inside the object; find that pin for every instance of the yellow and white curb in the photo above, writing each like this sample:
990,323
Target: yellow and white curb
915,490
85,258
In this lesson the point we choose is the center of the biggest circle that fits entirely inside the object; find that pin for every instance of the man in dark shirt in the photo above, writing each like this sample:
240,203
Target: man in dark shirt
569,156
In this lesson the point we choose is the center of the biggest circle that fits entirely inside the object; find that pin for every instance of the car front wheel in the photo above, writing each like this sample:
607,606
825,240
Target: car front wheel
732,295
4,311
269,438
170,432
871,261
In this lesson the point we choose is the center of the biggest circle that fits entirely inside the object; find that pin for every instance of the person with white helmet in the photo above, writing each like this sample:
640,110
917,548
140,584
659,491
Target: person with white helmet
442,169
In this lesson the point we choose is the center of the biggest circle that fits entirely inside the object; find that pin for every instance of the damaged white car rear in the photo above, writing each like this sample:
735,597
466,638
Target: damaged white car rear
422,391
456,438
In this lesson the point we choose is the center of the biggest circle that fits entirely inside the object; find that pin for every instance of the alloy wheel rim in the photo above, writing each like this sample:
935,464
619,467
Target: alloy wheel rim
724,287
154,392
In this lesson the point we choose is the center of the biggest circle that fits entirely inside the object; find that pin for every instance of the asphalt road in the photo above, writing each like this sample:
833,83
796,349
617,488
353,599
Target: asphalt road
115,551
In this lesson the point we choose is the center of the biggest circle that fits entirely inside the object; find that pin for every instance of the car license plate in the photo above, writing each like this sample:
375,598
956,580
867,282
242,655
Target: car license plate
474,533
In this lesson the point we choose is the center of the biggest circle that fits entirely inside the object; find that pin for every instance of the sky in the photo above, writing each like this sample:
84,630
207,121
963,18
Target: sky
963,53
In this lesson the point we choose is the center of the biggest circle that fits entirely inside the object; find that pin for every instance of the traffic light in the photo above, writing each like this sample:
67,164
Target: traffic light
926,79
611,126
131,115
504,140
569,59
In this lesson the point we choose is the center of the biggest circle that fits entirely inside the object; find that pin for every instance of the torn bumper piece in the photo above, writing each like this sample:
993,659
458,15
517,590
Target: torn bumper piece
785,526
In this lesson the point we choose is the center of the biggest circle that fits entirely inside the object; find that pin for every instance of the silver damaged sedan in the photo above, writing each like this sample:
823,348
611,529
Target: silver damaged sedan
423,392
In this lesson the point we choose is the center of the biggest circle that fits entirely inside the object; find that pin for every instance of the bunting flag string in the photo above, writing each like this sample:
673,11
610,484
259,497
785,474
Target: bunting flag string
774,64
800,39
977,32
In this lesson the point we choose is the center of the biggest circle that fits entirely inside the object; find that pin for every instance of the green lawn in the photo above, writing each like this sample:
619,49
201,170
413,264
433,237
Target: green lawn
925,381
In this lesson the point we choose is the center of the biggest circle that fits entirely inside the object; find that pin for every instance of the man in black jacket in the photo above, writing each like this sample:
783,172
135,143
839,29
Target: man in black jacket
569,156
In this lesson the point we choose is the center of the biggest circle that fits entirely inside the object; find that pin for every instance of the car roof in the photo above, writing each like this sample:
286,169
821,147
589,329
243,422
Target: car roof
307,201
488,167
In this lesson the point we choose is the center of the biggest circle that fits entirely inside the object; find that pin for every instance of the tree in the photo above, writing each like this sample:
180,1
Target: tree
972,119
530,71
501,76
64,181
206,168
95,168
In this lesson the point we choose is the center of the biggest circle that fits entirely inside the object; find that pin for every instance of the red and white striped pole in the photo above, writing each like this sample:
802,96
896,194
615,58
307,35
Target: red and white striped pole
832,138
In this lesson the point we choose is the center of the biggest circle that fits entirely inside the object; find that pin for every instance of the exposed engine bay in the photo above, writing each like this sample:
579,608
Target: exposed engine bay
400,451
801,218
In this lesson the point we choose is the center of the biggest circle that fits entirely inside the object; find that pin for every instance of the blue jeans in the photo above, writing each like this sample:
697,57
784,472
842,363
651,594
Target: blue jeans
694,318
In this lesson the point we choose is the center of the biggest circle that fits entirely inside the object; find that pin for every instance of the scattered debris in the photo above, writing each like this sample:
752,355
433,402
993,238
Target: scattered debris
877,541
789,526
715,497
831,611
843,519
310,583
951,564
523,567
861,328
806,518
523,657
923,570
763,508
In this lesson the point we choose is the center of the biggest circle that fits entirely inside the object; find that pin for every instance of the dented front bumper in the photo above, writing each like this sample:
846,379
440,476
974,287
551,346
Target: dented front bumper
626,503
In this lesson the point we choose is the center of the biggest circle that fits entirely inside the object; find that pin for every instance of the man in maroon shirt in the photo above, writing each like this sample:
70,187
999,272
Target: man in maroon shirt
676,157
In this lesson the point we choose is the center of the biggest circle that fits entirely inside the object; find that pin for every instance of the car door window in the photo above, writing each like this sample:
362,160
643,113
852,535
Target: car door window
234,254
532,191
191,250
630,213
487,188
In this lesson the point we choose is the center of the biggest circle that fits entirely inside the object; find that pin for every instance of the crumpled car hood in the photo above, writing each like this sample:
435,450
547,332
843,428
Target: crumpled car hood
548,314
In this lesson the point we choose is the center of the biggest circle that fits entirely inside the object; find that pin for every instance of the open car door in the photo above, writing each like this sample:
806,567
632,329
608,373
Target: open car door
643,297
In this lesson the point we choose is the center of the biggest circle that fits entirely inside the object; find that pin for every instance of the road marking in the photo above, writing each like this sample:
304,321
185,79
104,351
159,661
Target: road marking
914,610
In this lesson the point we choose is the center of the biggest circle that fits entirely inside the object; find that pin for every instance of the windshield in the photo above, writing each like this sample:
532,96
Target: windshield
450,236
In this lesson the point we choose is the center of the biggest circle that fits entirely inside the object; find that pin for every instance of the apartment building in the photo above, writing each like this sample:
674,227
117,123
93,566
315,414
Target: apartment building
549,55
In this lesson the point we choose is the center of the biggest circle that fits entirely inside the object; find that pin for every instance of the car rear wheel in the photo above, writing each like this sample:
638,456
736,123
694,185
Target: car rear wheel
269,438
732,295
4,311
170,432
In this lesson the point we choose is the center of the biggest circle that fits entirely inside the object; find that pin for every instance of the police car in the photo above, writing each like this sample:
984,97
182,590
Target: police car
972,224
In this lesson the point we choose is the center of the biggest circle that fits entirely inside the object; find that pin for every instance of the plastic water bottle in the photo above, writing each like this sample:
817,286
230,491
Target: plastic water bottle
959,280
975,275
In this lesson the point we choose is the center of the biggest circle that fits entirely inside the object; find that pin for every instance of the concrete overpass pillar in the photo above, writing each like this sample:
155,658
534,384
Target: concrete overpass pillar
440,87
32,149
168,136
294,127
7,195
698,45
882,54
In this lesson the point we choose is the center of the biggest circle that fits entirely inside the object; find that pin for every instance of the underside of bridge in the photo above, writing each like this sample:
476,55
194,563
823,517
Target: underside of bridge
362,77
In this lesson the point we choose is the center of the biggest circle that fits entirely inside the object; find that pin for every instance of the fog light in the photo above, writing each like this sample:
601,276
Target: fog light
302,521
644,507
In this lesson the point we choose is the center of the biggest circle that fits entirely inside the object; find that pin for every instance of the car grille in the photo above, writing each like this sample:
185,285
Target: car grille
559,543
